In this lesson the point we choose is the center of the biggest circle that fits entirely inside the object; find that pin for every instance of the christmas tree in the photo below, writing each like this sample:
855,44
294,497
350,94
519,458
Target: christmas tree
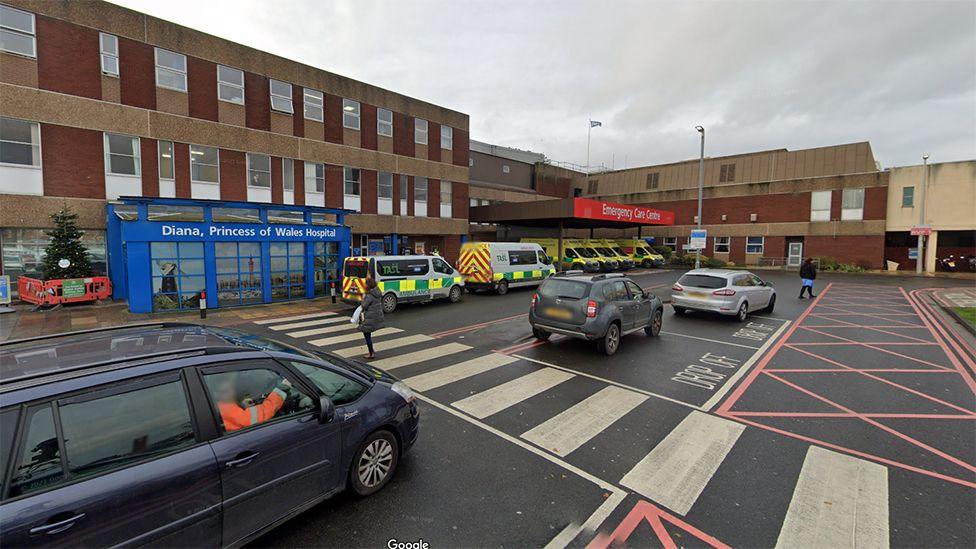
65,245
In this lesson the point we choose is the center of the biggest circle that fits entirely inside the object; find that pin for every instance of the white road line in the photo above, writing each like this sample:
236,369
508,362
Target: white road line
676,471
383,345
569,533
325,342
771,318
715,398
419,356
459,371
297,317
839,501
307,323
609,381
710,340
344,327
496,399
572,428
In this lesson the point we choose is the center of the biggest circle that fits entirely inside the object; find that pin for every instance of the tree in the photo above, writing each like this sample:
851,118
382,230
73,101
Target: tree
65,244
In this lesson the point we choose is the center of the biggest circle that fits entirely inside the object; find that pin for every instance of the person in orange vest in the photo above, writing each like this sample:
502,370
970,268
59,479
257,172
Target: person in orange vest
240,414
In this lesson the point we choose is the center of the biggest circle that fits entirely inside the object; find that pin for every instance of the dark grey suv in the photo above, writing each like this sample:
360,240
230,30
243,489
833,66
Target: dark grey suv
600,308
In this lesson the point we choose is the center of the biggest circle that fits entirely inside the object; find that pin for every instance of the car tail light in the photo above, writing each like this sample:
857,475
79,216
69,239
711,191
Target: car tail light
590,308
535,298
677,288
726,291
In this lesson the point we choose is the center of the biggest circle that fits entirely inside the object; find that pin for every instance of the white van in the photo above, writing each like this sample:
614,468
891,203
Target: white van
501,265
401,279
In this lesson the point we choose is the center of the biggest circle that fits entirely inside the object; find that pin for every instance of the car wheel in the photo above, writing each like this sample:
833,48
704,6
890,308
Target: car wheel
502,287
679,310
455,294
743,312
389,303
772,304
610,342
654,327
541,334
374,463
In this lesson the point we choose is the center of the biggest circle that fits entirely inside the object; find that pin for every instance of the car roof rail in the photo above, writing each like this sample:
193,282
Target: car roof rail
571,272
99,330
608,275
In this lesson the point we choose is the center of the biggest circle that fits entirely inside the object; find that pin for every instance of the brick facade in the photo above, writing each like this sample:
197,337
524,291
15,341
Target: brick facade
73,162
68,58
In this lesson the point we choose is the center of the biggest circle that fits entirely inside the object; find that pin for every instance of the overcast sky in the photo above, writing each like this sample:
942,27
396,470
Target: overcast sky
757,75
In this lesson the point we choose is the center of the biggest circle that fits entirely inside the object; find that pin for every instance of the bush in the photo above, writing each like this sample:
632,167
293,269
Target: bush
665,251
827,264
688,260
714,263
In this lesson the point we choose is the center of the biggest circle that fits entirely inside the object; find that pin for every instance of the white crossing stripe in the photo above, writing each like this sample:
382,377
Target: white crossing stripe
307,323
839,501
676,471
459,371
429,353
384,345
344,327
496,399
325,342
297,317
570,429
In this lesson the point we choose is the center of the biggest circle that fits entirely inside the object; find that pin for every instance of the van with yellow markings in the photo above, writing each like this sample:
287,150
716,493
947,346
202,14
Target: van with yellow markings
499,266
573,259
640,252
609,248
401,279
606,260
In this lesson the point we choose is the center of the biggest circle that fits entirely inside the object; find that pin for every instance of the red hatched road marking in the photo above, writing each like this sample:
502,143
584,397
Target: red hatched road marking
655,517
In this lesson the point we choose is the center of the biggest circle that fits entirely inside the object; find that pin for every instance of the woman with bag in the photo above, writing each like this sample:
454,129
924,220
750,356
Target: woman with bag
371,318
808,273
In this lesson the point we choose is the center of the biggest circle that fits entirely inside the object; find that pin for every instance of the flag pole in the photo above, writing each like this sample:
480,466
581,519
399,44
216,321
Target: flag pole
589,130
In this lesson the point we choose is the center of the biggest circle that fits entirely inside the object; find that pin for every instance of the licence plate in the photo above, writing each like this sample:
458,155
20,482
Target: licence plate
697,294
556,312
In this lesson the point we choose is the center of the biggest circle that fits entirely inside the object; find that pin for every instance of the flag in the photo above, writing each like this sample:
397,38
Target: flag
595,124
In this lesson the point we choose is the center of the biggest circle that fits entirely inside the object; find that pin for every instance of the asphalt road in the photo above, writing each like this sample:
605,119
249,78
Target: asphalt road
848,417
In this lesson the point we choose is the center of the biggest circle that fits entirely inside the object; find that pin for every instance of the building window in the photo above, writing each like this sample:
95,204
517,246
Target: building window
907,197
447,189
404,192
170,70
820,206
238,273
109,45
506,168
288,174
23,250
726,173
20,142
755,244
121,154
314,105
592,186
17,32
350,114
326,262
470,162
447,137
671,241
852,205
230,84
722,244
351,181
652,180
384,188
177,275
165,149
314,177
420,190
281,97
287,270
204,164
420,131
384,122
259,170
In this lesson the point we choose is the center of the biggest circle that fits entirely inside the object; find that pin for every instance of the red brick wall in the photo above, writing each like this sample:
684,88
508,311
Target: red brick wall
410,188
137,74
434,141
181,165
257,102
367,186
836,199
451,248
367,126
461,145
333,186
299,183
202,88
867,251
459,207
73,162
433,198
396,195
403,135
333,118
875,202
150,167
298,119
233,175
68,58
277,187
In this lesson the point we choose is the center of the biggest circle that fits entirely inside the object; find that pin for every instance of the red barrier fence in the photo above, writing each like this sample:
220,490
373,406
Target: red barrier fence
69,290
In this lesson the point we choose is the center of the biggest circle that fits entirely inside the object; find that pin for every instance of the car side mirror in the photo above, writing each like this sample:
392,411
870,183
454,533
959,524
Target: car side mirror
326,410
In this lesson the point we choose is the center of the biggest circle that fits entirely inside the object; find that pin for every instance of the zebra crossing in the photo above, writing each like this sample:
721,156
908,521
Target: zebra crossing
837,500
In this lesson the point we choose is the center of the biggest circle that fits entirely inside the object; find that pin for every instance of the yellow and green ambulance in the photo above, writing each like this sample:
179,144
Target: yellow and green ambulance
401,279
499,266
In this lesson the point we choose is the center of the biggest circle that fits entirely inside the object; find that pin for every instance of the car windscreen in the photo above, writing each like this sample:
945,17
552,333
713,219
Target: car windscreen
702,281
586,252
618,251
356,269
605,251
643,251
568,289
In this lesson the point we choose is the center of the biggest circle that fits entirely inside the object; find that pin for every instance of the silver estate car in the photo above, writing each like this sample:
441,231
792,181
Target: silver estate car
722,291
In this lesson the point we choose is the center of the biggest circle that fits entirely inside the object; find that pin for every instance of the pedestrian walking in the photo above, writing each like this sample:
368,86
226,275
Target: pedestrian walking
371,318
808,273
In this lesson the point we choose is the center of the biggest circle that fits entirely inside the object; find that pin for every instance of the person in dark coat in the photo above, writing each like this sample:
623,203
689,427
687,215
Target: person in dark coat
372,315
808,273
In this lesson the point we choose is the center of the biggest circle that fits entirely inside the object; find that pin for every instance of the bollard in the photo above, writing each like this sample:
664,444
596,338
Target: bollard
203,305
332,290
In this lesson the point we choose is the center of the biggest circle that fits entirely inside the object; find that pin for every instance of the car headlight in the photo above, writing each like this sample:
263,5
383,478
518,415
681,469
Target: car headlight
401,389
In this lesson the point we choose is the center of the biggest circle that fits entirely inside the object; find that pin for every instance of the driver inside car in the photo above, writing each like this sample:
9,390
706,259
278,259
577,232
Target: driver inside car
240,413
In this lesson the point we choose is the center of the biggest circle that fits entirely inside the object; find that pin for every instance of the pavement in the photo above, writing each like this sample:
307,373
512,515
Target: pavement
839,421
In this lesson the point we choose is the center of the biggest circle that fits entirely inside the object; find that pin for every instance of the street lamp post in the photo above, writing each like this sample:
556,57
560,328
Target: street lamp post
921,221
701,182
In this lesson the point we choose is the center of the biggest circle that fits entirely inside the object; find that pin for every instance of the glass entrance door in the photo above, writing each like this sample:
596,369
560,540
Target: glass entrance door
794,255
238,273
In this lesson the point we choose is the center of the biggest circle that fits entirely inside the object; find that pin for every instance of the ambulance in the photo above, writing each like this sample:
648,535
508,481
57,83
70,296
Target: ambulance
572,259
606,259
401,279
640,252
499,266
609,248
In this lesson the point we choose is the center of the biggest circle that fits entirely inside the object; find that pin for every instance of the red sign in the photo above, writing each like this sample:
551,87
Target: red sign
921,231
611,211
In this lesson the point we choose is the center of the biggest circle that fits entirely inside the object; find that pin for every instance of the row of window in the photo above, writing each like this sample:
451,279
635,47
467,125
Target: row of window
723,244
17,35
851,207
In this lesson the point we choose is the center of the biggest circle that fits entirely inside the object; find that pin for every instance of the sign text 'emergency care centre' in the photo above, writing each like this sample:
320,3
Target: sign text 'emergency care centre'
610,211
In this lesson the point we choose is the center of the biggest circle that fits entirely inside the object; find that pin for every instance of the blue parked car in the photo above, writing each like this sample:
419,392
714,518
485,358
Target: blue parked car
181,435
